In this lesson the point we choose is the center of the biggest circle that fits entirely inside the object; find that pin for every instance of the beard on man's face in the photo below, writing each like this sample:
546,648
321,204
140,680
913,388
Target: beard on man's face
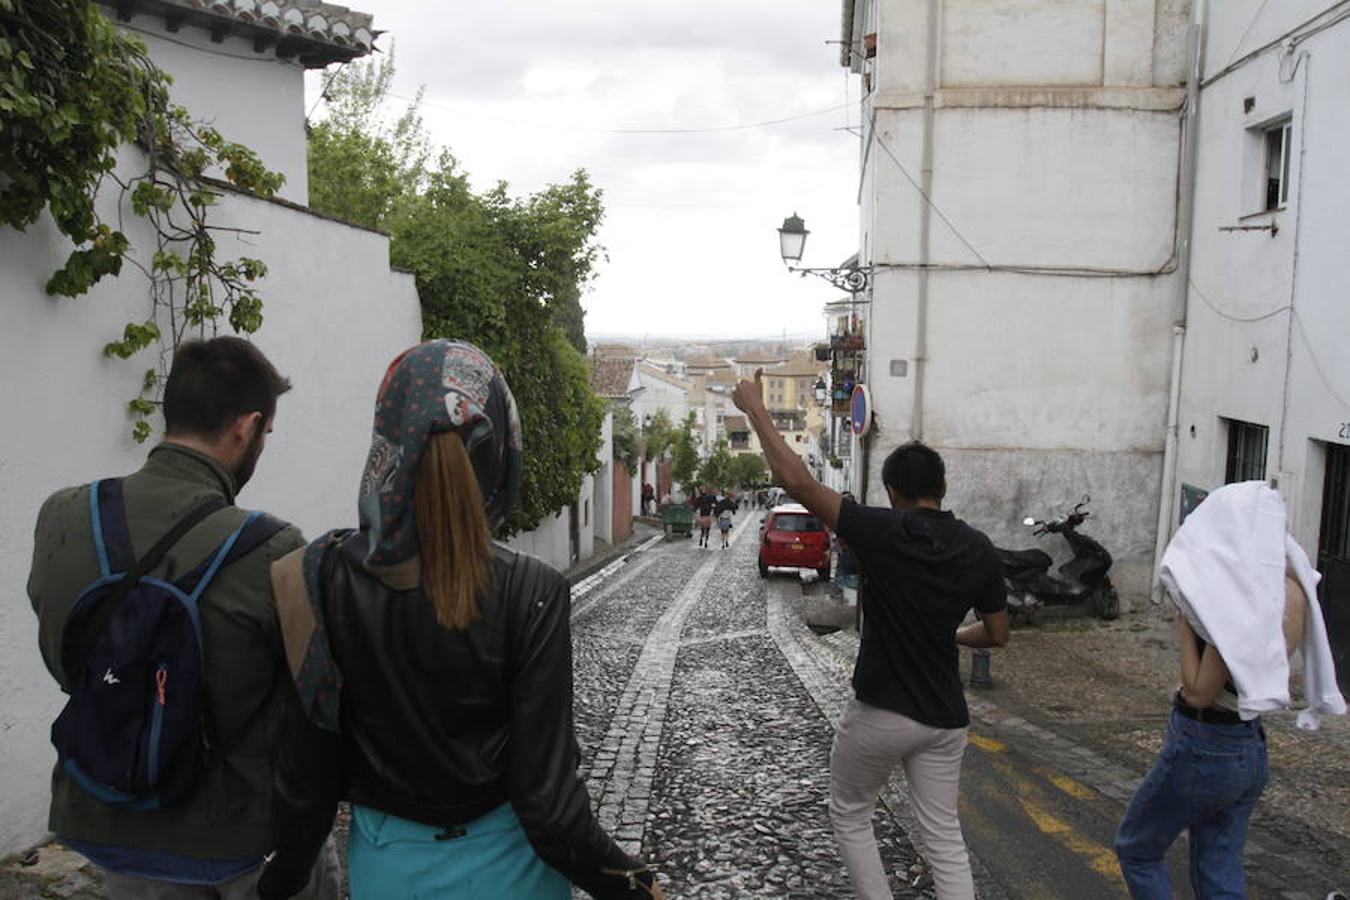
249,461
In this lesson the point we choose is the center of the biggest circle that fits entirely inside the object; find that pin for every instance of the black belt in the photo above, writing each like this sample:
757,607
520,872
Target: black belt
1213,714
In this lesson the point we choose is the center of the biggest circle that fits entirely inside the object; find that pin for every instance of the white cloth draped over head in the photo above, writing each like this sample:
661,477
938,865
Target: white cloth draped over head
1224,570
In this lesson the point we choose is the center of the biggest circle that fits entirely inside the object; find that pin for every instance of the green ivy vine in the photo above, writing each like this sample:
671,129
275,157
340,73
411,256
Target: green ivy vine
73,90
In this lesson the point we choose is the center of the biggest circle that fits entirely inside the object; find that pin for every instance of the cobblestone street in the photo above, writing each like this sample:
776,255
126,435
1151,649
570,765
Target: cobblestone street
714,755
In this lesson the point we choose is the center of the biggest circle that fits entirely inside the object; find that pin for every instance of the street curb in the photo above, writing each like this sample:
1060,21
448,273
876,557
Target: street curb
635,544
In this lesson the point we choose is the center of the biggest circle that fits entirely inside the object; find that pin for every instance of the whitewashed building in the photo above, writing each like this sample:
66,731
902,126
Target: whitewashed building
1019,201
1265,388
335,315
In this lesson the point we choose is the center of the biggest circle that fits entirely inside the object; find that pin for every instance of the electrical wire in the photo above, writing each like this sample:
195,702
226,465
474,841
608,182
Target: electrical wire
1317,365
323,94
881,142
1295,35
554,126
1248,30
1246,320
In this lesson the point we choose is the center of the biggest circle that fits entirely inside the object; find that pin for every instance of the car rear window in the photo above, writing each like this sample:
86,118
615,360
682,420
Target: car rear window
796,522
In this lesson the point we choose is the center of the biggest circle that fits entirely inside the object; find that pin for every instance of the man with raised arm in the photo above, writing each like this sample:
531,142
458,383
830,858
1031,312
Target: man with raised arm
925,571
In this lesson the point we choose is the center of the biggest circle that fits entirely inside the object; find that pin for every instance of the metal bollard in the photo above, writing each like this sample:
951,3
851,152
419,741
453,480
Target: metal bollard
979,668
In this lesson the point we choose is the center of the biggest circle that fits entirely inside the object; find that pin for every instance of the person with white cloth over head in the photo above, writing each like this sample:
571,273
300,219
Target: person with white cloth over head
1246,597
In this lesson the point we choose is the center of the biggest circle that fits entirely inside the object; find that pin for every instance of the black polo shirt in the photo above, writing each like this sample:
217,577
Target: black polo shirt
924,570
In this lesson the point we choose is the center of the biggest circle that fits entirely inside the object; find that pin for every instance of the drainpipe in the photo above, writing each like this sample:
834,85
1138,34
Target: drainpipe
1185,217
925,222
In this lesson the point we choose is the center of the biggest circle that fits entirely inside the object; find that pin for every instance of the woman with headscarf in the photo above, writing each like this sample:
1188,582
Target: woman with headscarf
433,669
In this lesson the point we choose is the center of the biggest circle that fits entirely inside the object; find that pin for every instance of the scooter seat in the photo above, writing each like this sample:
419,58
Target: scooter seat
1016,561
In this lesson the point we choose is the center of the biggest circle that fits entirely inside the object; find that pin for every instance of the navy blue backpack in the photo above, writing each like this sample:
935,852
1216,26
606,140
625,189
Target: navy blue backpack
135,731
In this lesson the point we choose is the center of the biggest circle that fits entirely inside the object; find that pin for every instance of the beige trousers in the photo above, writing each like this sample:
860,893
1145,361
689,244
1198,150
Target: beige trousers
869,743
325,883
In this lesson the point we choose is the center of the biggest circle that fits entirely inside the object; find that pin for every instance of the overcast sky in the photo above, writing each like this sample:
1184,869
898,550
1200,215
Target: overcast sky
528,91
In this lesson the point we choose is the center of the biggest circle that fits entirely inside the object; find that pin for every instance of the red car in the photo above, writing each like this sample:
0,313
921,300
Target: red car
792,537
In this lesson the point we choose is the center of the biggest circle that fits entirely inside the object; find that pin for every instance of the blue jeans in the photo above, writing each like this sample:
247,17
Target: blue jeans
1207,781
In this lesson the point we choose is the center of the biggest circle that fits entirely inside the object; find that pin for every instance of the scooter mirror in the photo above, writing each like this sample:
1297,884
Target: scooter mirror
1087,498
1028,521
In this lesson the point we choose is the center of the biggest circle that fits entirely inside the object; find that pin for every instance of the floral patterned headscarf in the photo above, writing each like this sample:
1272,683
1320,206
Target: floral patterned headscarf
432,388
435,387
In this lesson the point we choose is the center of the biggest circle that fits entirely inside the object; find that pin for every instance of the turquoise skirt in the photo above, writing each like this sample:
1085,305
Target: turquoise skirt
389,858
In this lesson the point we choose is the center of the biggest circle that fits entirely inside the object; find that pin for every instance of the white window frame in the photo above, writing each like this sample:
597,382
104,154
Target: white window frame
1285,128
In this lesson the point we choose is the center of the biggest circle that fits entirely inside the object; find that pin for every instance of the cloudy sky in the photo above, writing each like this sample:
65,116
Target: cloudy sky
528,91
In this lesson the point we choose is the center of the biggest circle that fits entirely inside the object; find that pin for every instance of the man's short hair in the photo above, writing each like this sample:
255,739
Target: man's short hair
916,472
212,383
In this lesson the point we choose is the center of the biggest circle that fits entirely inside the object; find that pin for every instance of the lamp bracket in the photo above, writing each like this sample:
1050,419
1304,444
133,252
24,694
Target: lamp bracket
852,279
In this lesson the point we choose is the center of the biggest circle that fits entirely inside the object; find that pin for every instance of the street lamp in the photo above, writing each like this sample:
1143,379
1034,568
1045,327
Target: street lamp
821,391
792,239
791,245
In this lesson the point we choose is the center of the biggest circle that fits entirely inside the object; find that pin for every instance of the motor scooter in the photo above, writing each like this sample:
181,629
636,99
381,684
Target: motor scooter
1082,579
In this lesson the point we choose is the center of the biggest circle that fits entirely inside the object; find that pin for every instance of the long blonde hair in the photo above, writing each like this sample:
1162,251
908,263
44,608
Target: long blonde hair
452,531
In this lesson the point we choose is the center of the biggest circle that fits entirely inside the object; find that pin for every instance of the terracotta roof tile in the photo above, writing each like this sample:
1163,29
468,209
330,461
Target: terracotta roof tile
610,377
316,33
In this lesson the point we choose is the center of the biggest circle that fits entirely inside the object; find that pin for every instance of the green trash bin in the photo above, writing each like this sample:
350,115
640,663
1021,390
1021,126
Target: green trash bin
678,518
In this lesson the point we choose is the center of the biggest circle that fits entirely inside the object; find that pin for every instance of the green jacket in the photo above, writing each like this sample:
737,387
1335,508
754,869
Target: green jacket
230,814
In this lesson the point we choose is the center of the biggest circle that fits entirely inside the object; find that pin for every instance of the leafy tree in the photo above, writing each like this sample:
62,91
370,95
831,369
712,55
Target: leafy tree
659,434
503,272
366,168
684,455
626,437
748,469
716,470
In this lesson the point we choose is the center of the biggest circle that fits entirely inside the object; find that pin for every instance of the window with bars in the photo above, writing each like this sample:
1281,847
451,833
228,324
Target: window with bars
1246,452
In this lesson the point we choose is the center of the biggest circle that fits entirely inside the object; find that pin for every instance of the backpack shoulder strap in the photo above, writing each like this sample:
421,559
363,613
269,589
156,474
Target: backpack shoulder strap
78,642
256,529
108,519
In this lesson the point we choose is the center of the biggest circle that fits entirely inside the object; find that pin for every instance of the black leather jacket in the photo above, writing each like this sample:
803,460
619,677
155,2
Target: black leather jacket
442,726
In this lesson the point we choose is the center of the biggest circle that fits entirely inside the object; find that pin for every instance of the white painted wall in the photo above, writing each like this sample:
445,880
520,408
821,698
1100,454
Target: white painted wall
1237,369
335,315
603,500
251,98
656,394
1055,144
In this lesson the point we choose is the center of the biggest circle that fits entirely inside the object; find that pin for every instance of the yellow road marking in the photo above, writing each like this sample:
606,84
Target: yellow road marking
987,743
1099,858
1075,789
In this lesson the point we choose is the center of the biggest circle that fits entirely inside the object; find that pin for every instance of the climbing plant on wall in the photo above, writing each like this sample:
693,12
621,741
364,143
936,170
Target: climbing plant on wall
73,91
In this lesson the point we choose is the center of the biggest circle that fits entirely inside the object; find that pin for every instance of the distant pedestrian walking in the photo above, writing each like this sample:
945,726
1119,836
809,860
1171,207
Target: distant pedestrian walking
726,517
705,503
1245,595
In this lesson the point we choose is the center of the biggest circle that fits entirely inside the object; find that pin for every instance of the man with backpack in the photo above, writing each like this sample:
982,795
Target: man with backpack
155,614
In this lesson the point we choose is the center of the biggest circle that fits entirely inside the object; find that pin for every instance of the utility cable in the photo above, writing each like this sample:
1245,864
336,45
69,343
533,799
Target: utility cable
1317,365
553,126
323,93
1229,316
927,199
1248,30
